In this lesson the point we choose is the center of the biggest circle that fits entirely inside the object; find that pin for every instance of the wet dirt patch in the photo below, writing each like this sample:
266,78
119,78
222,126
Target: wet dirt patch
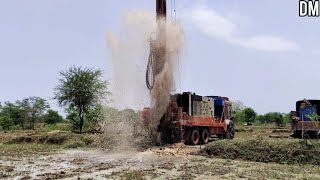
154,163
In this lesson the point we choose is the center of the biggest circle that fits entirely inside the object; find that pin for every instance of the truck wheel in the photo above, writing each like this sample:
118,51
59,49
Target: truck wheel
195,137
230,131
204,136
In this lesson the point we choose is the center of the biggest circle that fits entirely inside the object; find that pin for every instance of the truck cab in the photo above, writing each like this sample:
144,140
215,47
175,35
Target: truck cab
304,120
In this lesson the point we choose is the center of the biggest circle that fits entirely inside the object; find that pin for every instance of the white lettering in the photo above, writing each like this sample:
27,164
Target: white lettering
314,8
303,8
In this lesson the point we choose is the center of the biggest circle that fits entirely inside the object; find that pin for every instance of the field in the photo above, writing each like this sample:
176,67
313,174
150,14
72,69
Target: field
251,155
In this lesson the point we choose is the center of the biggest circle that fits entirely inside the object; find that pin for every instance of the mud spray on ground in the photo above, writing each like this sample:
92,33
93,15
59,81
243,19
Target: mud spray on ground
130,47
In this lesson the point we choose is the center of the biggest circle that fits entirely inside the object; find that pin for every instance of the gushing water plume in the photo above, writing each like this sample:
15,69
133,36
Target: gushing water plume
164,81
130,50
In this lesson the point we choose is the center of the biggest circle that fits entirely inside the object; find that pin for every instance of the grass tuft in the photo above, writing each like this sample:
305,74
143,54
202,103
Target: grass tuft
284,151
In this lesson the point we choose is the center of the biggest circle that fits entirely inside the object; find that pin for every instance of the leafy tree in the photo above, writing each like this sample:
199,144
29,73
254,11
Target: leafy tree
81,89
249,115
13,112
286,118
274,117
278,118
269,118
52,117
93,116
73,118
238,116
261,119
6,122
32,109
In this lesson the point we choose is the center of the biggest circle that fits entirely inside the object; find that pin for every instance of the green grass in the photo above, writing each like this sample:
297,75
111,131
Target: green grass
239,169
25,150
285,151
257,131
30,144
253,143
58,138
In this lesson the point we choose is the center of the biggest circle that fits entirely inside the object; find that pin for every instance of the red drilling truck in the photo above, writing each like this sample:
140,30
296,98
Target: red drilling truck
192,119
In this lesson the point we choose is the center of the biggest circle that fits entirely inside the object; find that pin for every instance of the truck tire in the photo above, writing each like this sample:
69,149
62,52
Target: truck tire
195,137
230,131
204,136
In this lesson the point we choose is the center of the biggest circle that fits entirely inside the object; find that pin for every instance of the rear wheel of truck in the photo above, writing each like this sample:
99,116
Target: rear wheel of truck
204,136
195,137
230,131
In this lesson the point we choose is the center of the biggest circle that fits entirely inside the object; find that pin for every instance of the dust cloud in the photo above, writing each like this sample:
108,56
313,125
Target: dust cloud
130,48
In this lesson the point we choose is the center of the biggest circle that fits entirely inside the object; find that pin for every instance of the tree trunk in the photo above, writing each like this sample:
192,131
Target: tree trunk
22,124
81,118
33,122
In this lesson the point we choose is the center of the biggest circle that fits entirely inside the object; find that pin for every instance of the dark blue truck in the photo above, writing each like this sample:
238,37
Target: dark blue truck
304,120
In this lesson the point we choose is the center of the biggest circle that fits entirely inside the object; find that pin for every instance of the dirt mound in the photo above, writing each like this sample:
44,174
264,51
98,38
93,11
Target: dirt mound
286,151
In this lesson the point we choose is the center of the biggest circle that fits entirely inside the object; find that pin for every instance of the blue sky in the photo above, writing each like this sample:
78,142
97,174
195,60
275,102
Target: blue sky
259,52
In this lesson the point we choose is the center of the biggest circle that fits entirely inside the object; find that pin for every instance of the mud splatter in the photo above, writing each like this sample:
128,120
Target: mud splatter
130,51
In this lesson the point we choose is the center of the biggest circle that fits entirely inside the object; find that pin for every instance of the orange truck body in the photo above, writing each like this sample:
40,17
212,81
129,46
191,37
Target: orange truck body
193,119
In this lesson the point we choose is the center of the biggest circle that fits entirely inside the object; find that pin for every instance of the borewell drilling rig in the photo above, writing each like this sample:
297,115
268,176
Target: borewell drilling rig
189,118
157,56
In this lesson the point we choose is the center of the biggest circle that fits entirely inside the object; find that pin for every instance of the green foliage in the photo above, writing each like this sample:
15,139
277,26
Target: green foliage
31,110
64,126
249,115
261,119
238,107
6,122
314,118
243,114
274,117
286,118
238,116
278,119
12,112
52,117
94,115
24,113
80,90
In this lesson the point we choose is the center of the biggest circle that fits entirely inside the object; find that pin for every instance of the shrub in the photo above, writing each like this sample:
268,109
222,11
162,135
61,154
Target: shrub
52,117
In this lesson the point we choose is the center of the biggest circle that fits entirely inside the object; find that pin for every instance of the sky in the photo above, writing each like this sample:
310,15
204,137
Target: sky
259,52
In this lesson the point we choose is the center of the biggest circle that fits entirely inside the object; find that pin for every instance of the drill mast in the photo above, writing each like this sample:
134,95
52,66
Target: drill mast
157,56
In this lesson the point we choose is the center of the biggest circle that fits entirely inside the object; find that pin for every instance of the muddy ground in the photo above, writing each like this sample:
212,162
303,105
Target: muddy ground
170,162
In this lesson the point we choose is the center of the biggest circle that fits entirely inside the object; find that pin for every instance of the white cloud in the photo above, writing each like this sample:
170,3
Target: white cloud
217,26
